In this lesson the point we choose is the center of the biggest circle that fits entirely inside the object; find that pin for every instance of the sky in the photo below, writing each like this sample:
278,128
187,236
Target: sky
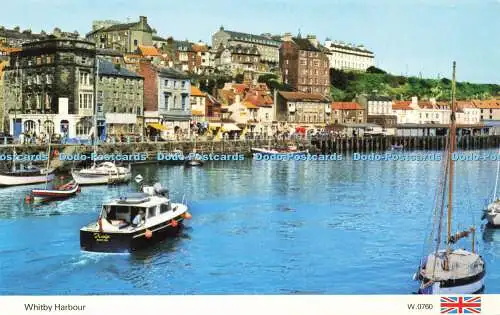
409,37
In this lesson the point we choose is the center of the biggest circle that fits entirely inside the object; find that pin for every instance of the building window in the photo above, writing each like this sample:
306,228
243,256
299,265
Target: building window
167,100
184,97
166,83
48,126
83,128
29,125
183,84
135,42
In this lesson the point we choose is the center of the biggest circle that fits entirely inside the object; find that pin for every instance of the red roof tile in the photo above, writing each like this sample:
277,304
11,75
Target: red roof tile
346,106
402,105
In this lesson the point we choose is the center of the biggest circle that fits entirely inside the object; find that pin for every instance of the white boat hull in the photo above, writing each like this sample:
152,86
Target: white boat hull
100,179
8,180
492,214
48,194
493,219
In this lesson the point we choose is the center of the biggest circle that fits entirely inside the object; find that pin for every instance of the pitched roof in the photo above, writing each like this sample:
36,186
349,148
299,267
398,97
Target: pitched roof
200,48
402,105
349,47
302,96
257,39
346,106
305,44
149,51
158,38
487,104
172,73
110,69
121,27
196,91
259,98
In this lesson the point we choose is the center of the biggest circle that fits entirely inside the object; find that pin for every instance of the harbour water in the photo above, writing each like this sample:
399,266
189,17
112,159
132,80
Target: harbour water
258,227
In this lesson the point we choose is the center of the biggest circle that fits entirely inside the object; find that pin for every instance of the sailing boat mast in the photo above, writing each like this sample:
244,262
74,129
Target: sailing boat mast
95,107
496,181
451,149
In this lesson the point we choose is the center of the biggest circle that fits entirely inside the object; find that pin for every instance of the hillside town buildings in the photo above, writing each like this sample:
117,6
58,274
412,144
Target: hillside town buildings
267,46
348,56
304,66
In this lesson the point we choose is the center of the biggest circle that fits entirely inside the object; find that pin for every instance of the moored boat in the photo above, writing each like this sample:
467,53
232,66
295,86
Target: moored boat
134,221
26,176
104,173
58,192
447,269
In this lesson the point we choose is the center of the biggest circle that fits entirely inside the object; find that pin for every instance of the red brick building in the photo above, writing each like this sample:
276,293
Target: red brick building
304,65
148,72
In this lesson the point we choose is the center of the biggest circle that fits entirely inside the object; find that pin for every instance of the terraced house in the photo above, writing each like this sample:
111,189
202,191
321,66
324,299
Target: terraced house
267,45
120,102
50,87
124,37
167,106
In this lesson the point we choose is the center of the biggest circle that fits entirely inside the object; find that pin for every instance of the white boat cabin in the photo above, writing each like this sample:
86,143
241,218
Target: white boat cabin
119,214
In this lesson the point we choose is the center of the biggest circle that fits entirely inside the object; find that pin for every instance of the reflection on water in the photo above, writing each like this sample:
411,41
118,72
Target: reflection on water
266,227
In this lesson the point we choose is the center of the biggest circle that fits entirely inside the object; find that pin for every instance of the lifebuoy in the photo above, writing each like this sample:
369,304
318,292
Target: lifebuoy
174,223
148,234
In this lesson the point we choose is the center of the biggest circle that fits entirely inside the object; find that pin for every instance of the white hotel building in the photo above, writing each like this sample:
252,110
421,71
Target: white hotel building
348,56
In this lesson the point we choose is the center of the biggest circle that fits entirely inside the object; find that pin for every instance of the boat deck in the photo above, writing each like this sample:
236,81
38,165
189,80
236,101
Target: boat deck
462,264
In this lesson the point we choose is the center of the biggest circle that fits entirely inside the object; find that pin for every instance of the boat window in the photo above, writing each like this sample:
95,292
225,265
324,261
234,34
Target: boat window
118,213
164,207
134,211
151,212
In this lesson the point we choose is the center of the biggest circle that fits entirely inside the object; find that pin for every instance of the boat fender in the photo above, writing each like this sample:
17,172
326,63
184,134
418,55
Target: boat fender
27,199
173,223
187,216
148,234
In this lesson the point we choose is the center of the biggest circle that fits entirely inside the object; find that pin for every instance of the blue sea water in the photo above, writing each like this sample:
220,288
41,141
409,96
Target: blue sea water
258,227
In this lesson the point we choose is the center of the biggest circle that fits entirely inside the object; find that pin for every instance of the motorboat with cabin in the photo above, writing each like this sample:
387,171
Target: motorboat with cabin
134,221
103,173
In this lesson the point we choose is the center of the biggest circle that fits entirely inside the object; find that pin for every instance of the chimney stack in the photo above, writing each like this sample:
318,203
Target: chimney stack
312,39
287,37
143,19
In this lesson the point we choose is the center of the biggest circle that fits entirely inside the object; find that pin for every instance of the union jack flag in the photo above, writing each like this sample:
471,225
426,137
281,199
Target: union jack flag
461,305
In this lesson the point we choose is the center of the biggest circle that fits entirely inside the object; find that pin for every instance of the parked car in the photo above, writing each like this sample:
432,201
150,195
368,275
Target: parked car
4,137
